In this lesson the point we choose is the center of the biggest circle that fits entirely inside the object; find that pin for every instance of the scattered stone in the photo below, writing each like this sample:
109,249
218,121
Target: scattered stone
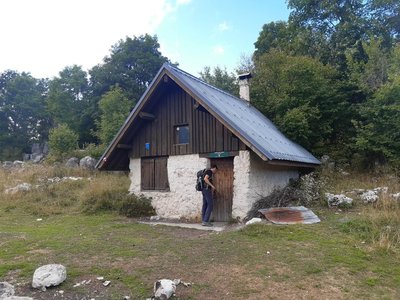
18,164
254,221
23,187
8,164
101,278
338,200
84,282
88,163
58,179
395,196
73,162
371,196
106,283
6,290
49,275
164,289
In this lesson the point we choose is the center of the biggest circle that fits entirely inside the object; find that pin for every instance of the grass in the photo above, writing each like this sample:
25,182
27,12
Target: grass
351,254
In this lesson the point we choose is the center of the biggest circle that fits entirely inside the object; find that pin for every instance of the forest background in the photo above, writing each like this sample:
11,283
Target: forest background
328,77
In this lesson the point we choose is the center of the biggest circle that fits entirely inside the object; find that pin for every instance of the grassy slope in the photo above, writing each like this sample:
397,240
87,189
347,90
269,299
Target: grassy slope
336,259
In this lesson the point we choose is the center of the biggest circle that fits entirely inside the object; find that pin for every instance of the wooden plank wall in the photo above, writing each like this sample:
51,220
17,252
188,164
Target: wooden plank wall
174,108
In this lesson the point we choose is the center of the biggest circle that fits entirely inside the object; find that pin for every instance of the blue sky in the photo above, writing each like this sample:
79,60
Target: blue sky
44,36
216,32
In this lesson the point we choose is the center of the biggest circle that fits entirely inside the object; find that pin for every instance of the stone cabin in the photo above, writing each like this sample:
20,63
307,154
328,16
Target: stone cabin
181,125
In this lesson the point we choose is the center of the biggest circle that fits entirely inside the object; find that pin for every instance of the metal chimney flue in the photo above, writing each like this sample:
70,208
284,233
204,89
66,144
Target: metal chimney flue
244,86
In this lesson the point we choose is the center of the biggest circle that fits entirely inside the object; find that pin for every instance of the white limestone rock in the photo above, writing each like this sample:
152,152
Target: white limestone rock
49,275
23,187
254,221
371,196
396,196
338,200
164,289
6,290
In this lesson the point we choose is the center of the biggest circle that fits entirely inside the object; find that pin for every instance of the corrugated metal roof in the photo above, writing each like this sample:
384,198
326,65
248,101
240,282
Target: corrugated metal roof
246,120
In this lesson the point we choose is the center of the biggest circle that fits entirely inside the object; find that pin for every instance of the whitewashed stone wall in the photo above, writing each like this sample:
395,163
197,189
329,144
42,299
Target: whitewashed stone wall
182,201
254,179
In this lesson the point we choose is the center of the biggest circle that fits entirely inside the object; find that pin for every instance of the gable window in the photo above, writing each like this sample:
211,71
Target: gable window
181,134
154,174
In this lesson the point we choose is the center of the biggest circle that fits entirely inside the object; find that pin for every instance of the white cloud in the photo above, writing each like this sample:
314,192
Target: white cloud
223,27
219,50
44,36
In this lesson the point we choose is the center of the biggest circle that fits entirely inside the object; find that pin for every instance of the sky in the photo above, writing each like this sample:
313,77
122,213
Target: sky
42,37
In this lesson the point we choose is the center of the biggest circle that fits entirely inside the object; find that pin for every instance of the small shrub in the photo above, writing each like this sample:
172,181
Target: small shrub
62,140
136,206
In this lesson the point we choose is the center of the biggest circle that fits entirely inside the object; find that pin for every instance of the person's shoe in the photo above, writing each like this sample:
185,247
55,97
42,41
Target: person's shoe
208,224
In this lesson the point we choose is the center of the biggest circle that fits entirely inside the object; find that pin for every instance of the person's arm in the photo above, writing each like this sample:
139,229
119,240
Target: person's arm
206,180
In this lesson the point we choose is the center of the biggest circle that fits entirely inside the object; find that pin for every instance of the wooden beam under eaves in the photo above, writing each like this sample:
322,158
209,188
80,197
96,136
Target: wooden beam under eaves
146,116
124,146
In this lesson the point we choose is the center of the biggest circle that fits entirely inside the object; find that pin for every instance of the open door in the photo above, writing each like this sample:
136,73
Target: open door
223,181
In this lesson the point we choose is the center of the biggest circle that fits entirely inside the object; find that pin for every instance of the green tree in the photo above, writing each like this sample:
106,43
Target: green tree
304,98
340,25
132,65
114,109
220,78
62,140
378,134
23,115
68,101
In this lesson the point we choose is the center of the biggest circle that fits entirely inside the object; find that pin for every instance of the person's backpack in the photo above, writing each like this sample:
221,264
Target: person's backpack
200,179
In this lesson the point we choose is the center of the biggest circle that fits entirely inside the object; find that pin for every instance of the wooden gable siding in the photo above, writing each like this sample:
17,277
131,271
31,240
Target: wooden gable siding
176,107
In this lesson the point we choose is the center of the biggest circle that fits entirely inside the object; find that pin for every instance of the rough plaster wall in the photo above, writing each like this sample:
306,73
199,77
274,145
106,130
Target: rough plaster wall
254,179
241,183
182,201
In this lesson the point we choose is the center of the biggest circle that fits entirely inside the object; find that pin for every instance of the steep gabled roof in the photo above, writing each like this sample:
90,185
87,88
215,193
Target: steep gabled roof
239,116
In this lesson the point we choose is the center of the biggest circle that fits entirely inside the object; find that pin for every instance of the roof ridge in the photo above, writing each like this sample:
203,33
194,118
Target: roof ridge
203,82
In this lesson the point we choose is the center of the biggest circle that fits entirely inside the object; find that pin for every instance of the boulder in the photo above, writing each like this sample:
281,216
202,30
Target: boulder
49,275
371,196
88,162
73,162
36,158
6,290
23,187
338,200
164,289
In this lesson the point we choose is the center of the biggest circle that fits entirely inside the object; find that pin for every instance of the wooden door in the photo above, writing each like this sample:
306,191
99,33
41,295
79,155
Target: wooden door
223,181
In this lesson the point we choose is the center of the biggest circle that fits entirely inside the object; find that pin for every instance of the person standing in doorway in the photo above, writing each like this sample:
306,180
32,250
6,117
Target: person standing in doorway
208,190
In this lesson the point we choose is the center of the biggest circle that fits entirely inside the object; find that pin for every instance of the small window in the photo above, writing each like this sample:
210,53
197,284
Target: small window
181,134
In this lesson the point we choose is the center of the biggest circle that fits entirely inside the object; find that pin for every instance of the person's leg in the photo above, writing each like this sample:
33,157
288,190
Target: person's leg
204,208
209,200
